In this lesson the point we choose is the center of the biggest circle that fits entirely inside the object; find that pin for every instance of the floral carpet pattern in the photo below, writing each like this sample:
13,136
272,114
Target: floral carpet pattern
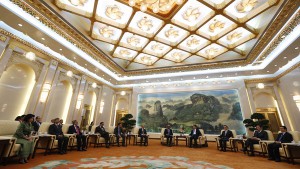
131,162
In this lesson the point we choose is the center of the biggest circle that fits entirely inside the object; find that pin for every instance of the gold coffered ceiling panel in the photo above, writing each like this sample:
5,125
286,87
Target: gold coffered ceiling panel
192,32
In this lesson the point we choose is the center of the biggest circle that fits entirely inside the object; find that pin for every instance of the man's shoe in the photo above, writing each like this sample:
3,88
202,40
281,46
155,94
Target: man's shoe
251,155
277,160
84,149
61,152
270,158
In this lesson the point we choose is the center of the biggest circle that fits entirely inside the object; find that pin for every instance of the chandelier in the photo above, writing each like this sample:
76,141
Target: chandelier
155,5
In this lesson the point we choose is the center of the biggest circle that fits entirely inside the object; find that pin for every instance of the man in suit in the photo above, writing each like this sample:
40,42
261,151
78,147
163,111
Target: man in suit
194,135
143,134
81,139
224,137
273,148
118,131
56,129
101,130
37,123
259,134
168,133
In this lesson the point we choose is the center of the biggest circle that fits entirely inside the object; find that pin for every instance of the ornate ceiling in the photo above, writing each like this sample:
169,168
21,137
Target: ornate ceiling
170,33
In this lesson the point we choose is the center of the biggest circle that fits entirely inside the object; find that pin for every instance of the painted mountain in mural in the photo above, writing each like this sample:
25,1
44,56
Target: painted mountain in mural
208,109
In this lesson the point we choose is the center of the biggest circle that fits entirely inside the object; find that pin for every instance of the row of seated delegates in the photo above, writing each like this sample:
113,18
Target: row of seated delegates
258,135
81,138
101,130
194,135
24,137
273,148
224,137
56,129
143,134
120,132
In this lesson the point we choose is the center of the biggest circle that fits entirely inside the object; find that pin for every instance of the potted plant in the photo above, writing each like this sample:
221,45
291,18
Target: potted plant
255,119
128,122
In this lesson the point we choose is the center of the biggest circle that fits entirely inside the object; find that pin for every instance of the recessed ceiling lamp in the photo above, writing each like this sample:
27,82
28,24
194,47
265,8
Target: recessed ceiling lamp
78,2
123,93
216,26
191,14
246,5
296,48
156,5
20,25
172,33
113,12
30,55
260,85
145,24
69,73
106,32
94,85
133,41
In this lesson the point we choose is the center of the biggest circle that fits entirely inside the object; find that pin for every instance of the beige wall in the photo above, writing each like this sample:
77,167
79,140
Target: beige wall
290,86
16,85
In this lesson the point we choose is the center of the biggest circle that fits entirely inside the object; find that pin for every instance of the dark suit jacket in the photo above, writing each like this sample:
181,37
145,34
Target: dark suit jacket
263,135
36,125
55,130
198,133
140,132
286,138
116,131
166,132
100,130
72,130
228,134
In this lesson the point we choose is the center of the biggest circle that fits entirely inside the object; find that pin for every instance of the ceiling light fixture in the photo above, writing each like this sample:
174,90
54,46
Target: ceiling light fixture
122,93
94,85
246,5
145,24
155,5
296,48
260,85
20,25
30,55
43,38
191,14
113,12
69,73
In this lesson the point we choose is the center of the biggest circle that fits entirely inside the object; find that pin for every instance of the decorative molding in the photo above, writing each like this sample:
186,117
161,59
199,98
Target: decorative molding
17,58
63,77
3,38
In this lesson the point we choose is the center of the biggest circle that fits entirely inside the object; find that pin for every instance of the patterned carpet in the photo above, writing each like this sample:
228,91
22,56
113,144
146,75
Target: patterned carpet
131,162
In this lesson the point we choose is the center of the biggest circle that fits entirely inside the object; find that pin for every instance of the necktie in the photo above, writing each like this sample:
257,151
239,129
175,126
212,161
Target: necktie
281,137
77,130
142,131
225,132
118,130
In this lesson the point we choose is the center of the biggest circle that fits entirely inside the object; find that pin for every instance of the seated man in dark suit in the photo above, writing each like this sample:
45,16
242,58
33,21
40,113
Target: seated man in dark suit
81,139
224,137
168,133
37,123
56,129
118,131
273,148
259,134
101,130
143,134
195,133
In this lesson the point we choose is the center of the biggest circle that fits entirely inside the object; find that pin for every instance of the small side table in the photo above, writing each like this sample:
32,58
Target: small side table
43,138
294,151
235,142
94,138
128,138
4,142
181,138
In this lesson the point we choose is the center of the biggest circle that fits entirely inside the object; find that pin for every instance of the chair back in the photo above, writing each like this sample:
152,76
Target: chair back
135,130
270,135
202,132
296,135
111,129
93,129
162,131
44,127
8,127
65,128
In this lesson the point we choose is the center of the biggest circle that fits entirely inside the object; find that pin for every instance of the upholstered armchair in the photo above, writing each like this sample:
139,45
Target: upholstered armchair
163,139
203,139
46,141
8,128
261,147
229,144
283,151
137,138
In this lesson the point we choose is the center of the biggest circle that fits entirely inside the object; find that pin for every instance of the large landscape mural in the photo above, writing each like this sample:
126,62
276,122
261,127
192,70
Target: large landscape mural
210,110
